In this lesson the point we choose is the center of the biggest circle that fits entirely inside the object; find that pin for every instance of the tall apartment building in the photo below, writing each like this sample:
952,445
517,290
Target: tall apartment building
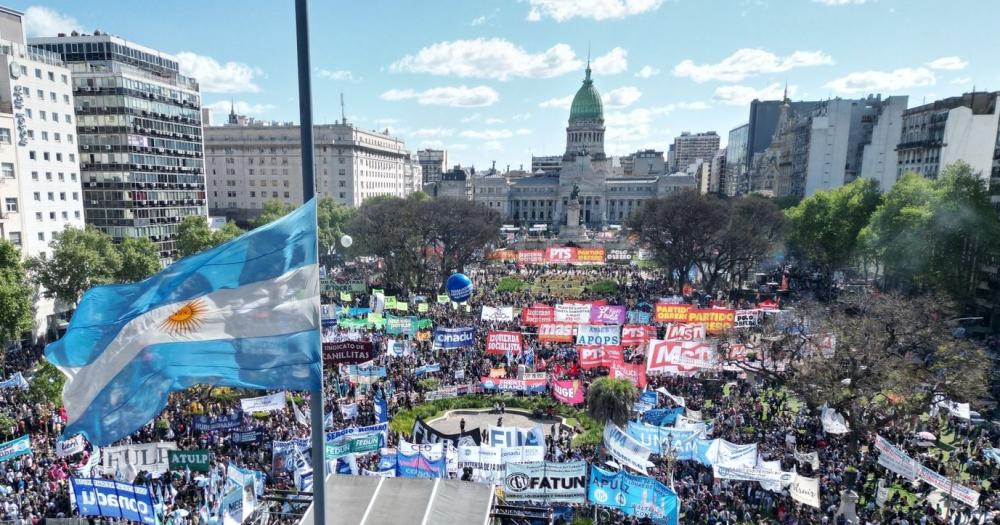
251,162
718,172
690,147
945,131
433,162
735,180
140,137
645,163
546,164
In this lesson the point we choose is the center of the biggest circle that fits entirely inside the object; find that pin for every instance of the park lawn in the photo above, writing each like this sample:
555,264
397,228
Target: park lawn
561,287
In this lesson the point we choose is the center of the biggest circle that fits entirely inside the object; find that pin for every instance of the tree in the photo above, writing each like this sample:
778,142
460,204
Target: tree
194,235
611,400
272,211
331,217
81,259
875,358
754,227
15,295
934,234
140,259
462,228
824,227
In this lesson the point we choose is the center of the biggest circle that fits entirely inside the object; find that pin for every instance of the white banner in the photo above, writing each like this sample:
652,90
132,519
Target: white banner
599,335
515,436
833,423
151,457
264,403
805,490
70,446
572,313
487,463
625,449
812,458
959,410
678,400
679,357
546,482
499,314
724,453
761,475
747,318
349,411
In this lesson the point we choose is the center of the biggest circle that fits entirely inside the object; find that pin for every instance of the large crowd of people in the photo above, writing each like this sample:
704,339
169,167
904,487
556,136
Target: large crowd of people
743,409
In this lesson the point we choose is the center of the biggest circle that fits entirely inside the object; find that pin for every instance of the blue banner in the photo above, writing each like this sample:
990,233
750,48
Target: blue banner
662,417
15,448
248,436
638,496
426,369
653,437
111,499
649,397
209,423
454,337
381,410
16,381
418,466
382,428
638,317
369,372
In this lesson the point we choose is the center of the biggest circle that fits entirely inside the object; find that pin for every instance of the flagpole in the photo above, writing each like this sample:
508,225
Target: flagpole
308,192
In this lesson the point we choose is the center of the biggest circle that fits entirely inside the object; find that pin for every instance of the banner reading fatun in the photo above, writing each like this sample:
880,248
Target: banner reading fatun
195,460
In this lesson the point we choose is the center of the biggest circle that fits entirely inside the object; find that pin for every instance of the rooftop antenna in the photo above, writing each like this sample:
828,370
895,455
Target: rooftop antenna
343,117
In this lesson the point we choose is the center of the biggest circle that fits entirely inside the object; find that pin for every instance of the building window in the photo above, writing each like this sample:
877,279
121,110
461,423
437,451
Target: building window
76,196
10,204
15,238
38,73
4,135
42,115
52,215
38,216
7,170
37,196
32,155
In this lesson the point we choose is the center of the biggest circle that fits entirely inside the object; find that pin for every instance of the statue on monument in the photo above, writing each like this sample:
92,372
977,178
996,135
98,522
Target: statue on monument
575,194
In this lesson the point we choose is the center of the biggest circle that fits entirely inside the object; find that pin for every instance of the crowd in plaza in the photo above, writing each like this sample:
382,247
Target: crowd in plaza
742,409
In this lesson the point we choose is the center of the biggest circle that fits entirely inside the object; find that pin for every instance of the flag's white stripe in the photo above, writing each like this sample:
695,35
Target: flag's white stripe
284,305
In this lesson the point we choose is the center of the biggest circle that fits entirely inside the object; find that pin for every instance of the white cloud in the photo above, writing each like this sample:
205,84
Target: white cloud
647,72
962,80
521,116
738,95
748,62
522,131
883,81
460,96
241,107
612,63
493,145
621,97
43,21
340,74
948,64
560,103
487,134
478,21
494,58
434,144
562,10
231,77
841,2
471,118
386,121
628,130
433,132
494,120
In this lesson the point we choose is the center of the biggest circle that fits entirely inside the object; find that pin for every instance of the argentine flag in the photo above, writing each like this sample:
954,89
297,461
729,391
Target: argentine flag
243,314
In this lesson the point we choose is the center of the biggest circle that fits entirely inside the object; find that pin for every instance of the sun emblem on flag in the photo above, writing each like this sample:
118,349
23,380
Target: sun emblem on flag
185,319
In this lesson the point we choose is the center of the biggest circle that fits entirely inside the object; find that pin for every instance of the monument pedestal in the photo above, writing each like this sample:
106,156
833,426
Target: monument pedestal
573,231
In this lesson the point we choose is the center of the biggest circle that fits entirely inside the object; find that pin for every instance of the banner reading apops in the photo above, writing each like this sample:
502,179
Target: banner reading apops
569,392
546,482
638,496
454,337
111,499
195,460
501,343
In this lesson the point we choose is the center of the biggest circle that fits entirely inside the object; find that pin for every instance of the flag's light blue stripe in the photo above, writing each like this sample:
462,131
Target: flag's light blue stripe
264,253
139,392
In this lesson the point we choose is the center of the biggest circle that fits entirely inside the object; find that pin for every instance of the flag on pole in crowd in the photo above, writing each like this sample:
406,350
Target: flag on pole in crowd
243,314
300,418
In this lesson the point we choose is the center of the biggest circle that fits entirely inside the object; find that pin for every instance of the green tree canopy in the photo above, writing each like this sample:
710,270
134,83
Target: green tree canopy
611,400
140,259
331,217
194,235
15,295
272,211
81,259
824,227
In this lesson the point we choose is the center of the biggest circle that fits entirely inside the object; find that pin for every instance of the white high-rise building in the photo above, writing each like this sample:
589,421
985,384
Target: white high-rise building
250,162
40,184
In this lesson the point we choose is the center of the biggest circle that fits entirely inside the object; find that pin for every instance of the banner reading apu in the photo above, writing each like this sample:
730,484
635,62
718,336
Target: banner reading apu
638,496
546,482
454,337
111,499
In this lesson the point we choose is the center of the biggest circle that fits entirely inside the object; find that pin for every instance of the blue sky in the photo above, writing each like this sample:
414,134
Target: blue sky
491,79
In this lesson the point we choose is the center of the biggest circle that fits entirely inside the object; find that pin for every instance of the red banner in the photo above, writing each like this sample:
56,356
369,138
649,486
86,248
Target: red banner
684,332
637,334
531,256
502,255
679,357
569,392
634,373
671,313
537,314
594,356
590,255
560,254
500,342
557,332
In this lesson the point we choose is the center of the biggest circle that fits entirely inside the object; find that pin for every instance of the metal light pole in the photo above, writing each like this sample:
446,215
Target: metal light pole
308,192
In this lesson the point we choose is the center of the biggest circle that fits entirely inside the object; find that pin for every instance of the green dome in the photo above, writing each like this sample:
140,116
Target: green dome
587,102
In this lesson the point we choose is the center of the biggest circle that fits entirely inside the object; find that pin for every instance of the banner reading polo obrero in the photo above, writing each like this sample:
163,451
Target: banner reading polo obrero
454,337
678,357
243,314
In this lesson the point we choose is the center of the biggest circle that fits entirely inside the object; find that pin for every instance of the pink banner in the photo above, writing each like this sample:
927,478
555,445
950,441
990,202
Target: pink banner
604,314
569,392
634,373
